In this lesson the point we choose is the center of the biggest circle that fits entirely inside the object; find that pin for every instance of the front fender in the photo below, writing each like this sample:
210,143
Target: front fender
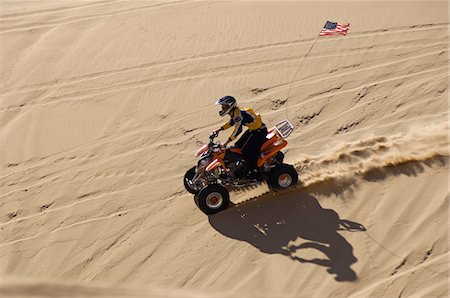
202,150
214,164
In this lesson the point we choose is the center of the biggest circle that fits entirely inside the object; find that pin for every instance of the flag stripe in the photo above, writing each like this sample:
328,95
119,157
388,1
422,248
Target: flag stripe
331,28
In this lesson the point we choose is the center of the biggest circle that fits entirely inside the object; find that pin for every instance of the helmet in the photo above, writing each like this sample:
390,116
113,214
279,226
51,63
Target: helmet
228,103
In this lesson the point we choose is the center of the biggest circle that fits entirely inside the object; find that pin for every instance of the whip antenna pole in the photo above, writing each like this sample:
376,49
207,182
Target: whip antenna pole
295,75
330,28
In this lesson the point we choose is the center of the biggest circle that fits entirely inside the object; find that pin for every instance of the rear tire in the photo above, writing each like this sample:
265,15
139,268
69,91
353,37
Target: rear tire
279,156
188,176
282,176
213,199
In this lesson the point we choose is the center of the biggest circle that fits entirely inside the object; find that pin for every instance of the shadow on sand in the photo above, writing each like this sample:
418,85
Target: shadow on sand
273,222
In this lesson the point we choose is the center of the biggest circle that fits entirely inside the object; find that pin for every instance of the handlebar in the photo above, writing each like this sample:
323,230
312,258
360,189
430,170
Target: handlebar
212,136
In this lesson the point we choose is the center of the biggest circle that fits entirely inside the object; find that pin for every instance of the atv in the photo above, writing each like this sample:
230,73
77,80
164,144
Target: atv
220,169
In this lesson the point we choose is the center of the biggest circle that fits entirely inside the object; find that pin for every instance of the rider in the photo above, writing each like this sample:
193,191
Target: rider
252,140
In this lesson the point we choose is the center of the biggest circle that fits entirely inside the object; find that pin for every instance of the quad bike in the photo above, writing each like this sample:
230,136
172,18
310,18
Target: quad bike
220,169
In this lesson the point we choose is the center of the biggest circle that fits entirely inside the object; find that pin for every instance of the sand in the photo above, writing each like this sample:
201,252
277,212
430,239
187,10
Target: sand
103,103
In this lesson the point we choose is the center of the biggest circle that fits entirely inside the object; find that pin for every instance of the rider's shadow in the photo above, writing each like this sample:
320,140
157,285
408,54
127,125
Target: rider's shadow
275,224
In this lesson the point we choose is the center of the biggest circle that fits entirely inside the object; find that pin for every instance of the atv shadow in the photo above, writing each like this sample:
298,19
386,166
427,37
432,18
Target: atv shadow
273,223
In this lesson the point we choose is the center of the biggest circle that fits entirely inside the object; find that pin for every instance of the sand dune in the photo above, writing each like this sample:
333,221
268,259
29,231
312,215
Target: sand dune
103,103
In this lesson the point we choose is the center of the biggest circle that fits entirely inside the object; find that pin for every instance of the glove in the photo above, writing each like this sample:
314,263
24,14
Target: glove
214,134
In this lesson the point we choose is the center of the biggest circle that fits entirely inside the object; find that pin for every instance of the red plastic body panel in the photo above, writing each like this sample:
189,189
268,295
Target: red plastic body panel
214,164
236,150
201,150
271,150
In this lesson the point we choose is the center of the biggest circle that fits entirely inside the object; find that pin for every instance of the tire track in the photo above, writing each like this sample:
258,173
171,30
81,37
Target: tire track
83,222
370,68
443,258
23,55
43,181
123,235
133,133
62,156
181,77
72,151
53,10
148,134
193,58
87,94
119,213
70,20
106,196
379,155
96,197
374,83
96,75
370,129
401,29
320,78
101,195
81,169
146,131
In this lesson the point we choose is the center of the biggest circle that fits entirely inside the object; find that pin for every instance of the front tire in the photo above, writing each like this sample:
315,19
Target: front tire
189,176
282,176
213,199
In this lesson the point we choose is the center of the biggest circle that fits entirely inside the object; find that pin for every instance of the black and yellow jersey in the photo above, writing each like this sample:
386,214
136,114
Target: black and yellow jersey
240,118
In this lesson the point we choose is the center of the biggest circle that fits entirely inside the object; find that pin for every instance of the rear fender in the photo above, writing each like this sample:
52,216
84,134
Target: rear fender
272,138
271,151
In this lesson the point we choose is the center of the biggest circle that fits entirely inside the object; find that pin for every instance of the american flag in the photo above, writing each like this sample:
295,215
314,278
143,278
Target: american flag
331,28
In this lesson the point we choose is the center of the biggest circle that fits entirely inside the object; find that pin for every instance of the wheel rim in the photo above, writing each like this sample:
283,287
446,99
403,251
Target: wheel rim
284,180
214,200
